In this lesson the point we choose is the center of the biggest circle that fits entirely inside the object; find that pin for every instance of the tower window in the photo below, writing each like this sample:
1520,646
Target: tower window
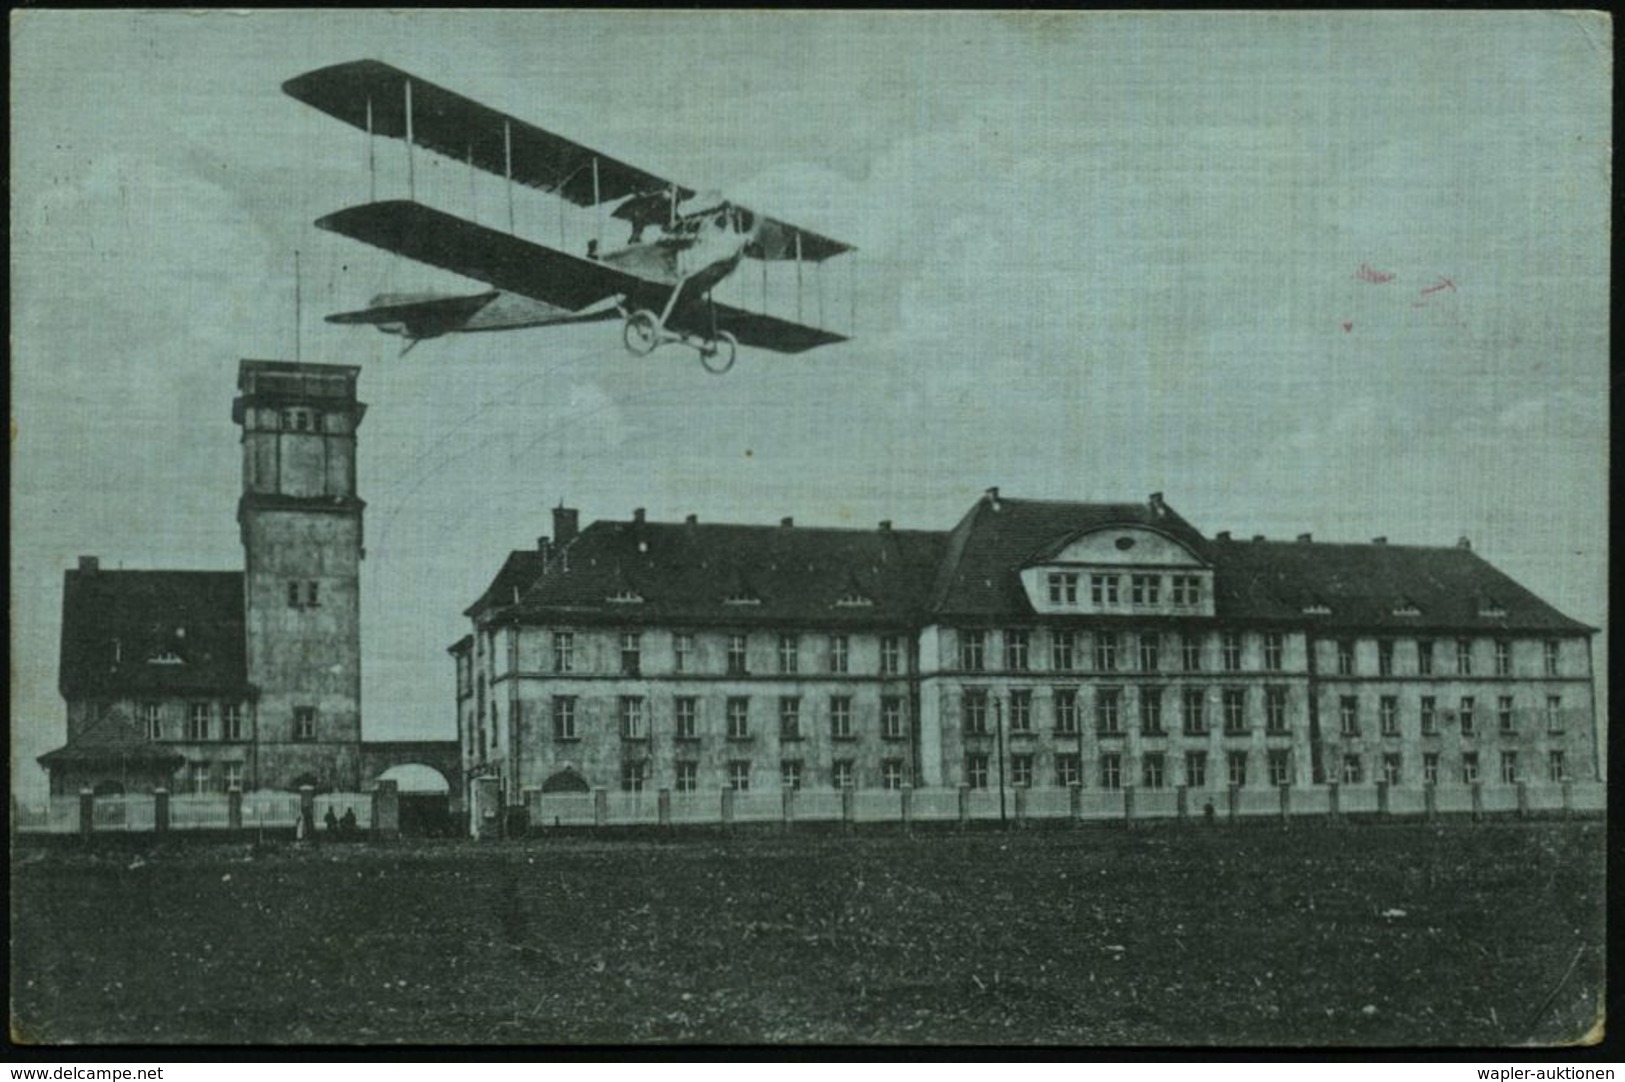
312,597
304,723
293,595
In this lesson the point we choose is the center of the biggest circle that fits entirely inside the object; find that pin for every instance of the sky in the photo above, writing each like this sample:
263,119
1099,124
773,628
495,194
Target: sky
1337,273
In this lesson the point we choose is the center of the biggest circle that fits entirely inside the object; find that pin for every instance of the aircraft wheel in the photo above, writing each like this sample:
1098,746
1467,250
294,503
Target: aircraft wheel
642,333
718,357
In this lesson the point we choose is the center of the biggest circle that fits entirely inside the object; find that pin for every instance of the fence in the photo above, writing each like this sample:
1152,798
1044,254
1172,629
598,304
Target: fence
160,812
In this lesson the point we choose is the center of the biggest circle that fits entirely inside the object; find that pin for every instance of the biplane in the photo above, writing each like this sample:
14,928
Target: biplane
660,281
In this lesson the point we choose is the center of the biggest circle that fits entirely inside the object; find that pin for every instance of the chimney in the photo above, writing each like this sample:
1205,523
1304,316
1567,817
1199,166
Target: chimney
692,520
1222,535
545,547
541,544
89,565
1379,540
885,525
1258,537
1464,543
992,495
1305,538
566,524
637,515
1158,508
787,522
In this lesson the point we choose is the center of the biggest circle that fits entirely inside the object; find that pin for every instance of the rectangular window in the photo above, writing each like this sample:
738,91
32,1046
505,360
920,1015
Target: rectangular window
688,777
152,720
1145,589
1503,658
1275,711
1190,652
1554,713
790,774
231,721
1280,765
1111,770
685,717
1509,768
1430,768
891,655
200,777
789,653
1021,771
790,717
1196,769
1554,766
842,775
1237,763
1550,648
1469,767
974,708
682,652
1235,711
1348,715
632,727
631,652
1063,650
1388,714
1015,651
972,650
1430,715
1103,589
1274,647
1464,657
1066,710
892,725
304,723
1021,711
739,775
1390,767
1063,588
197,721
891,774
736,655
1151,710
1068,771
564,717
1351,770
976,771
1153,770
1230,651
1195,717
1503,714
312,596
1466,715
1109,711
1187,590
634,775
1385,657
1106,651
234,776
840,717
738,718
839,646
1149,653
1424,657
293,594
1345,658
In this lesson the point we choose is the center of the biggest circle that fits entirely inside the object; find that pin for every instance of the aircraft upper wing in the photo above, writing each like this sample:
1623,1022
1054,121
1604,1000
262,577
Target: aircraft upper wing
364,92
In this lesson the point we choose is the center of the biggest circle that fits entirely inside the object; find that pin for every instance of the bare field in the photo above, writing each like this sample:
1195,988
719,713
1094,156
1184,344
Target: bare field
1397,934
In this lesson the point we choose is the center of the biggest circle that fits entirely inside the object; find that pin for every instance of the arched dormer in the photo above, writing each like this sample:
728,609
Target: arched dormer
1119,570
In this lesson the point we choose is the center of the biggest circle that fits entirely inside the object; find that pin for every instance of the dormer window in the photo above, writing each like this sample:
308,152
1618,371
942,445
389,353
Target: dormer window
742,597
1316,608
1063,587
625,597
853,600
1407,607
166,656
1488,606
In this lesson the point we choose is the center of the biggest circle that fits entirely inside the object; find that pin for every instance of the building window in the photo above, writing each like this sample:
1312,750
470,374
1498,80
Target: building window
1187,590
293,594
1348,715
1274,643
790,717
1345,658
976,771
1151,710
1145,589
1466,715
632,727
304,723
1196,769
1111,770
1021,711
1430,768
1388,714
1385,657
564,651
1275,711
1195,719
1063,588
1015,651
152,720
1068,771
842,775
838,648
891,655
1503,658
1550,647
1103,589
1430,715
1066,710
688,777
634,775
1424,657
1351,770
1503,714
789,653
1190,652
1469,767
1230,651
1063,650
234,776
1106,651
736,655
1149,653
682,651
1554,766
974,709
631,652
1464,657
685,717
1509,768
739,775
1109,711
1390,767
199,775
1237,763
891,774
1021,771
790,774
738,718
1554,713
840,717
972,650
1235,711
1280,767
892,726
1153,771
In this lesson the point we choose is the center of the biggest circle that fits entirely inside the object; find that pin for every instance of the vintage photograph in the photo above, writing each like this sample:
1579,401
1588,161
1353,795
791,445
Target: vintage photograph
773,528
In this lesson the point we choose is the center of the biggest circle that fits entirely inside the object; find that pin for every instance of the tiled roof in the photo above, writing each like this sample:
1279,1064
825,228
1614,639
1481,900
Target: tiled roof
112,738
152,633
689,572
519,570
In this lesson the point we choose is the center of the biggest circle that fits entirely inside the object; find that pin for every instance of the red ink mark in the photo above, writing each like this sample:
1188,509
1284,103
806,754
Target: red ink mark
1443,283
1368,273
1347,326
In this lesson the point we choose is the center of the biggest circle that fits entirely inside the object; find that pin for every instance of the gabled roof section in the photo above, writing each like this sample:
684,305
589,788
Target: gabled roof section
727,574
152,633
110,739
1364,586
519,570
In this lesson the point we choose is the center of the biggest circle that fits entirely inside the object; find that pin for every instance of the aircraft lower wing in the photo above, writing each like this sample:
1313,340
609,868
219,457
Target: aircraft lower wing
754,328
425,317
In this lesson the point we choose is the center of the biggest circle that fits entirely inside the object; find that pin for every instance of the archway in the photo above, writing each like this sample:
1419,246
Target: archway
568,780
425,799
108,788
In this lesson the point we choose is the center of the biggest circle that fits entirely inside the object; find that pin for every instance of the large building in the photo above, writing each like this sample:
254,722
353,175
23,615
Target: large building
1101,645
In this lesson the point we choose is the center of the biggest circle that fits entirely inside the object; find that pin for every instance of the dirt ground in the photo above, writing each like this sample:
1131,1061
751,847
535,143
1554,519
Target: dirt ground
1480,934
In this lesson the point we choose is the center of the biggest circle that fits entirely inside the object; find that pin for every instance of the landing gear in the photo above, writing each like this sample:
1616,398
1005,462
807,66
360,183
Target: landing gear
643,333
717,356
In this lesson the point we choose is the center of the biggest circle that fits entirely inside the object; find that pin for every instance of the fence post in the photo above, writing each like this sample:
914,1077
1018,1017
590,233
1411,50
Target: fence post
386,809
87,812
1568,797
848,809
727,808
307,812
1128,805
1235,801
1074,796
787,805
1286,803
1021,808
1182,802
1430,801
964,806
1523,800
1478,800
906,805
234,809
1382,799
600,807
663,807
160,811
1334,801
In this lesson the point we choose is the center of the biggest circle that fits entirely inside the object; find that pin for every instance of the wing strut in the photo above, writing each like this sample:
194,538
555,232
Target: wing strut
411,177
597,207
798,276
507,166
372,157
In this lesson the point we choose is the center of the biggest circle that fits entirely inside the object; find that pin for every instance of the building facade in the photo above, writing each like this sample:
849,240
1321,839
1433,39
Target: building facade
1036,644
